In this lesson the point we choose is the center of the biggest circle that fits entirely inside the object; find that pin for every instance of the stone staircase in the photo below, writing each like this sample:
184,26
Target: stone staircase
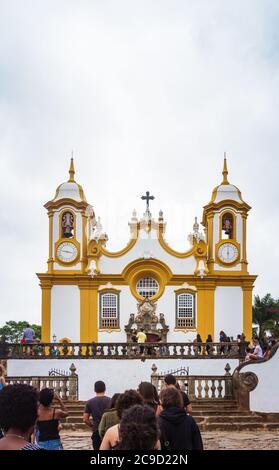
211,415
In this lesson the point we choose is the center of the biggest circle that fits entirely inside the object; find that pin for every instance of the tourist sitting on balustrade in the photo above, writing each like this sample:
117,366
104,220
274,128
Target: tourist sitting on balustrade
223,338
124,402
49,419
18,414
138,429
178,430
257,352
109,417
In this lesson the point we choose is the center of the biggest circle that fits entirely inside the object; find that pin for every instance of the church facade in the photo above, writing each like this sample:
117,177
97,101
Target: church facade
92,294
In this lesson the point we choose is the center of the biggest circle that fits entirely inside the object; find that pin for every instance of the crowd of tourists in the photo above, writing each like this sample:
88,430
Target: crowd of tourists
133,420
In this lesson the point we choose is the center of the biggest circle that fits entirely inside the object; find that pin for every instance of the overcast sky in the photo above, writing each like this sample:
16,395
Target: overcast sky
148,94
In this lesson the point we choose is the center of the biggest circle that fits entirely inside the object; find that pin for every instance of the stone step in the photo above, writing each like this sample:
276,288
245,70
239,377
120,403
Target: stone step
233,419
244,426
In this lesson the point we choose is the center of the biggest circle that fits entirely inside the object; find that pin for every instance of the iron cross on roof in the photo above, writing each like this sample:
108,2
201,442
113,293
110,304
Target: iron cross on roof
147,198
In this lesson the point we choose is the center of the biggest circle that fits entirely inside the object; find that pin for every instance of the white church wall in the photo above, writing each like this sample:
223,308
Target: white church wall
215,231
146,246
119,375
228,311
265,396
65,312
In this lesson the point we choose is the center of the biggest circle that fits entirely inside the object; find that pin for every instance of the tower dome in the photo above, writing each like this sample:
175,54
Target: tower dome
225,190
70,189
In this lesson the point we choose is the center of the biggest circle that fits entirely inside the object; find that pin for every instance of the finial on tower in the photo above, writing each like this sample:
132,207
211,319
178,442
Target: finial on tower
72,170
225,170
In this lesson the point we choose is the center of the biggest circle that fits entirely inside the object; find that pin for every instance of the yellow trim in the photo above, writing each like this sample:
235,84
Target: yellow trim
183,290
185,330
67,240
72,172
66,201
234,216
46,311
172,252
217,247
115,330
84,242
247,312
225,171
50,236
244,262
88,314
60,223
210,240
122,252
143,268
205,311
107,290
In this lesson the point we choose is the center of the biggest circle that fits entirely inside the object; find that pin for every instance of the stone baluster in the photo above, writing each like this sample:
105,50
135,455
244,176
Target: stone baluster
174,350
220,388
199,388
213,388
73,383
181,350
206,389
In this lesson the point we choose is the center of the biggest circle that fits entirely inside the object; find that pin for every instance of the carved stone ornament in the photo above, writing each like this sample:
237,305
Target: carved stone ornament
155,327
249,379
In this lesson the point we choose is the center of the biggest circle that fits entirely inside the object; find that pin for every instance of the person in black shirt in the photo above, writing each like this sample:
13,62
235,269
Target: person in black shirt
170,382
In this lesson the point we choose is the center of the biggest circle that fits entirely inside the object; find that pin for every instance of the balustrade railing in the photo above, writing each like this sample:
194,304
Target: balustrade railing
65,386
198,387
123,350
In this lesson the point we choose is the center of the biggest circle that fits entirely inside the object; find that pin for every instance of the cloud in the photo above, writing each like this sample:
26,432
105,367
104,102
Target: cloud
149,95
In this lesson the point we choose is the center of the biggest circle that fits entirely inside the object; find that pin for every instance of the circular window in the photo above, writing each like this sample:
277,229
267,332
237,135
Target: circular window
147,287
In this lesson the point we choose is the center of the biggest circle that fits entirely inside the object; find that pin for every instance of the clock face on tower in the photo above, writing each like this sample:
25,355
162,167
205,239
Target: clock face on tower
67,252
228,253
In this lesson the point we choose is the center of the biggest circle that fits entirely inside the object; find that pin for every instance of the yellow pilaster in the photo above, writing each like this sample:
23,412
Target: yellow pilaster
210,241
244,262
50,250
46,311
205,311
84,243
88,313
247,312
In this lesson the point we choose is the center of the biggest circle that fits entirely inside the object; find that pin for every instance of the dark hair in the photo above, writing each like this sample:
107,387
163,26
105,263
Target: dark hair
170,379
138,429
46,396
209,339
199,340
171,397
146,391
126,400
100,386
114,400
18,407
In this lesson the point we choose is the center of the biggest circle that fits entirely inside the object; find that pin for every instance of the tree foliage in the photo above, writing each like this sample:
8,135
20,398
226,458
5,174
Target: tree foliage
13,330
266,314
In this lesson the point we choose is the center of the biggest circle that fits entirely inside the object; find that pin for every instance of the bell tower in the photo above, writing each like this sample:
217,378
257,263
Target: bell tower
224,219
67,227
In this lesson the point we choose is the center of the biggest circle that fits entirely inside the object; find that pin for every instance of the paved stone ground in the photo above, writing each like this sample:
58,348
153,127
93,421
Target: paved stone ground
80,440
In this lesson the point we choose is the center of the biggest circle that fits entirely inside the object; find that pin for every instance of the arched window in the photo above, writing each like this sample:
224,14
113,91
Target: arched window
109,310
67,225
227,226
147,287
185,310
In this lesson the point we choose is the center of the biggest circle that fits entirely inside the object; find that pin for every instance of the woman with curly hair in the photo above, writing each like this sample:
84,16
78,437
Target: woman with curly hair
124,402
18,414
138,429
